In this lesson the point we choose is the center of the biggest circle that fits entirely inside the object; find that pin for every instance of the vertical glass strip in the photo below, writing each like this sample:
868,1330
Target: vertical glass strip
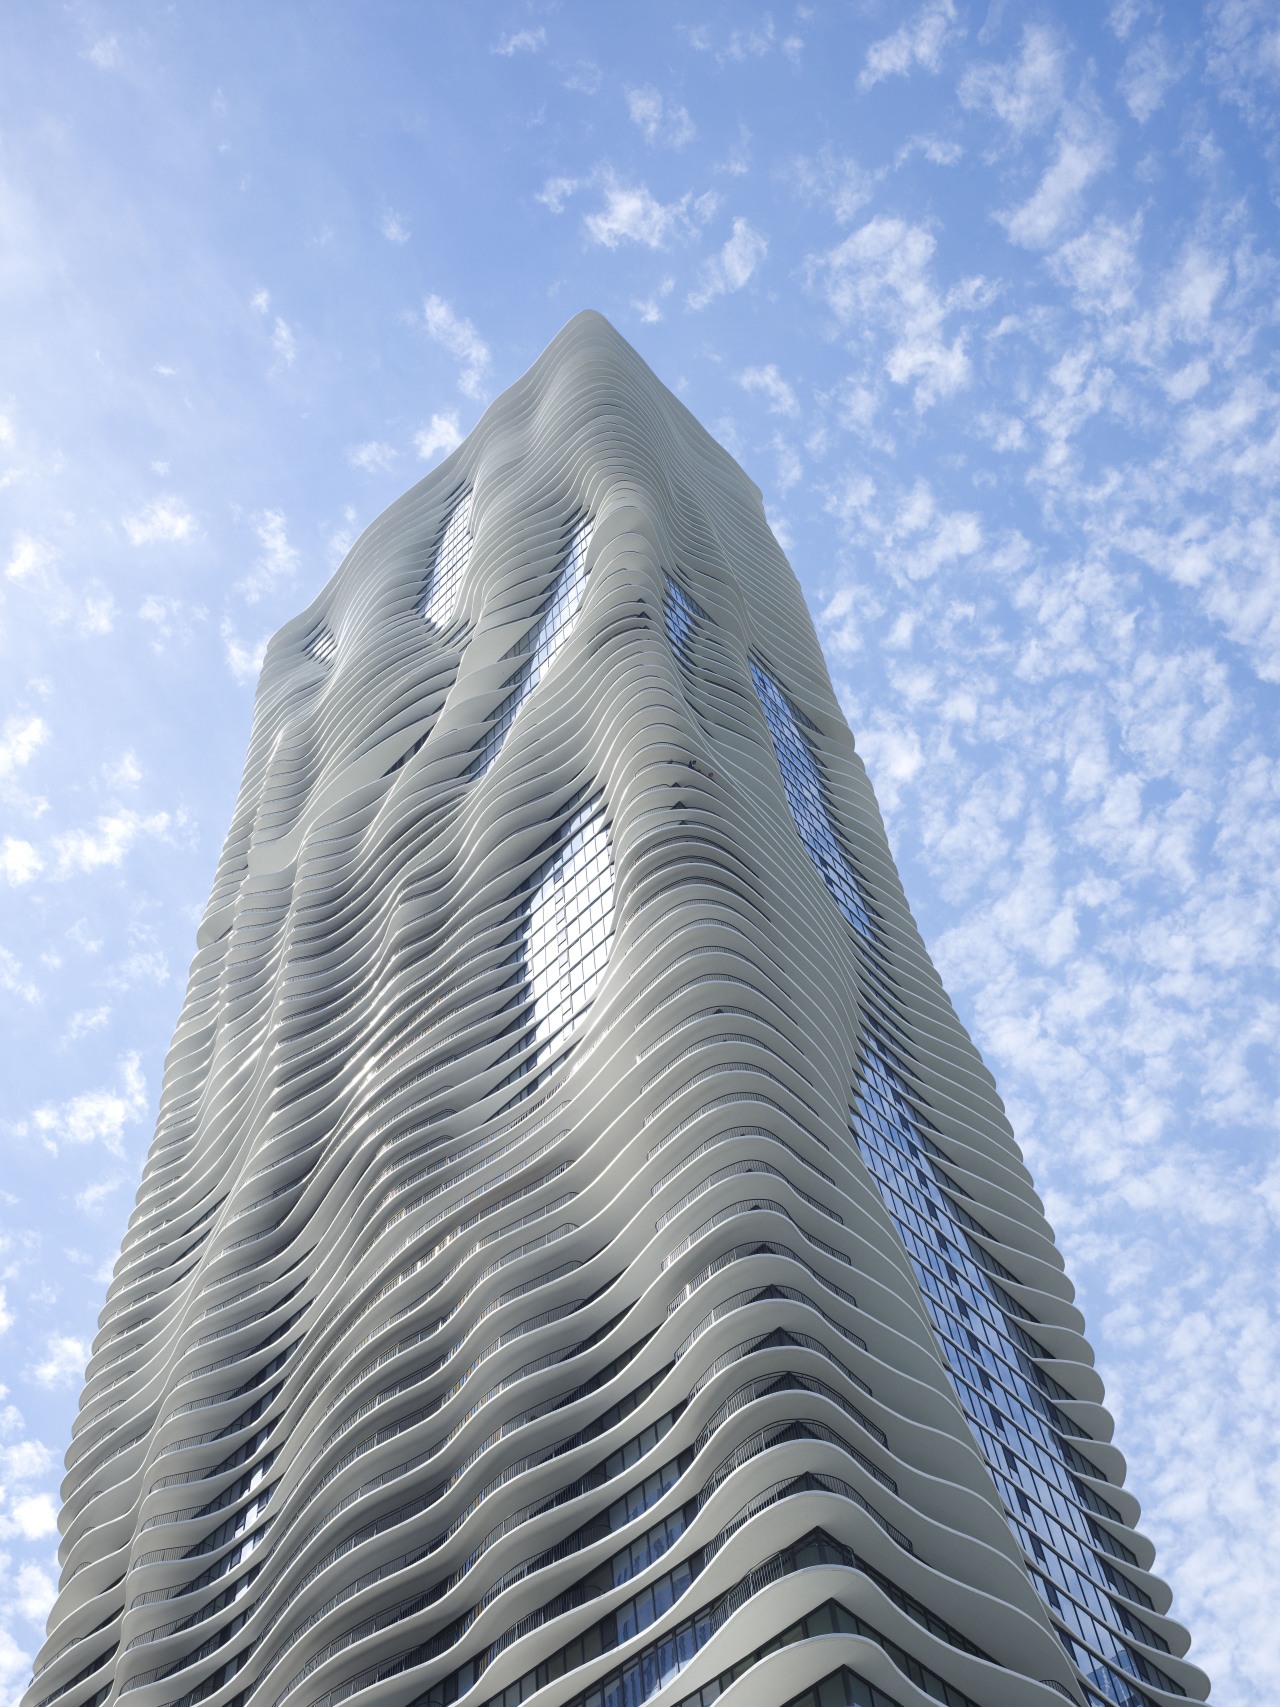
1008,1400
807,797
552,630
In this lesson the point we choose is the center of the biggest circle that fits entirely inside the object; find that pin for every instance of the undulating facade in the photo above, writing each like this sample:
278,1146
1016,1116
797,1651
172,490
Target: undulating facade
582,1257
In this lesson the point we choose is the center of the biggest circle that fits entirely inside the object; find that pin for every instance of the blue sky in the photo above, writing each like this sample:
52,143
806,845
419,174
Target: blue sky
984,296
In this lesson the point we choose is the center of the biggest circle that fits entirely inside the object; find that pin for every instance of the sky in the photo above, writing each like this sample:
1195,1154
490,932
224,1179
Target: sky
983,296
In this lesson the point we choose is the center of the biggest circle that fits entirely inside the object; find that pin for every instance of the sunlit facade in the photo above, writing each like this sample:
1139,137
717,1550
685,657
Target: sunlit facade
582,1257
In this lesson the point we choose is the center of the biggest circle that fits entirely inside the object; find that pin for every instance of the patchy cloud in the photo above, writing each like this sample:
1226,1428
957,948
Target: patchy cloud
521,41
732,267
917,43
663,123
441,435
455,333
164,521
769,383
95,1117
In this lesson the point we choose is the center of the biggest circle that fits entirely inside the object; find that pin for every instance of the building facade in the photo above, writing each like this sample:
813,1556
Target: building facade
582,1257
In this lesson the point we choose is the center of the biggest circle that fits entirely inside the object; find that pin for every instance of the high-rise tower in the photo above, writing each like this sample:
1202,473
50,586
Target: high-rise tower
582,1257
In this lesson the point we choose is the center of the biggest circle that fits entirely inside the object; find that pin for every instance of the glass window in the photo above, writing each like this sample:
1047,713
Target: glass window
807,797
552,630
453,553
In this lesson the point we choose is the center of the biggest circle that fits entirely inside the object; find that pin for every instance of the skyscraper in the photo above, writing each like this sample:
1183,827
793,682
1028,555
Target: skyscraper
582,1256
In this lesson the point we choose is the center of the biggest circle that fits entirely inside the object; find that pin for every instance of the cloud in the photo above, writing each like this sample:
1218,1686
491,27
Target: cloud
34,1515
6,1318
1082,151
26,1461
84,1021
63,1364
20,740
95,1117
91,1199
732,268
244,660
838,180
1150,71
1101,265
260,301
283,342
36,1592
29,557
277,562
1027,92
374,457
393,227
879,280
632,214
163,521
114,834
754,41
662,123
780,397
649,308
19,861
105,54
520,41
439,438
460,337
917,43
12,979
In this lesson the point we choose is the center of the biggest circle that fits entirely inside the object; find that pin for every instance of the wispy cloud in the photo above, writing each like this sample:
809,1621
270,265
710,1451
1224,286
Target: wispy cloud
441,435
164,521
919,42
733,267
777,393
521,41
455,333
95,1117
278,560
111,838
663,123
375,456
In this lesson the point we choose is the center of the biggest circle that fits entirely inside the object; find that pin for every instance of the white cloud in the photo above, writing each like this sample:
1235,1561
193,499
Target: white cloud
107,843
12,979
879,281
733,267
91,1199
19,861
283,342
105,54
521,41
439,438
260,301
919,42
779,396
63,1363
162,521
84,1021
1101,265
26,1461
36,1592
393,227
277,562
1027,92
663,123
244,660
463,342
631,213
99,1116
649,308
1082,151
28,558
838,180
6,1319
126,772
20,740
751,41
1150,71
33,1516
374,457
